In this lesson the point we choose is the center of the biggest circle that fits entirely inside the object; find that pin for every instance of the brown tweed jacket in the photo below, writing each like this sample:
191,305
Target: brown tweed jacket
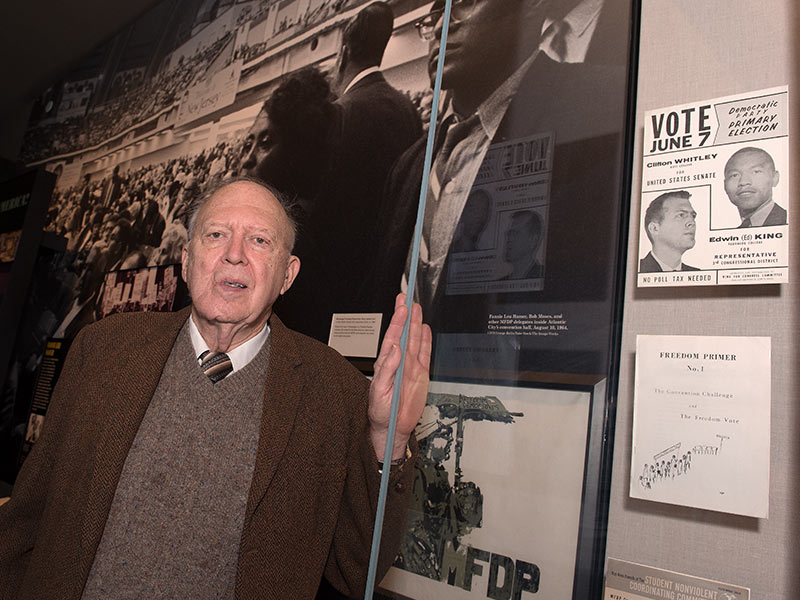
311,503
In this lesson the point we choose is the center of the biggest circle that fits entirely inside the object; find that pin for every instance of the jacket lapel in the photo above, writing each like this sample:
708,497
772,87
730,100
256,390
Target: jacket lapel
126,406
282,397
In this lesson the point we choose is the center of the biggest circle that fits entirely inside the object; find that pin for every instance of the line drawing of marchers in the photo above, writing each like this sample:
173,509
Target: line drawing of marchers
750,177
662,470
441,513
665,470
708,450
670,225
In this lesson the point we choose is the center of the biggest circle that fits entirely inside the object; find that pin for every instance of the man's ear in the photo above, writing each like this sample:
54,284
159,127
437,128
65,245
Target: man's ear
292,269
776,177
184,261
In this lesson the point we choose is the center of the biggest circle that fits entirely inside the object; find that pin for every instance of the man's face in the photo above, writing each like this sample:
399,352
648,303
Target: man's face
483,45
257,145
238,260
521,240
749,179
678,227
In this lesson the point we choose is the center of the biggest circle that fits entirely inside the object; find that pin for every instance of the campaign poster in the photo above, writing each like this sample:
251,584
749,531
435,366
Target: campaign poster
495,511
701,422
715,192
498,245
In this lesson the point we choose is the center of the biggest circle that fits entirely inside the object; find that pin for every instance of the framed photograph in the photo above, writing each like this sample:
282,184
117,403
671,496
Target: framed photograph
506,494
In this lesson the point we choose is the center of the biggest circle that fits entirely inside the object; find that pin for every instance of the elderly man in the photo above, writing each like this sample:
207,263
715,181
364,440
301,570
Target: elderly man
750,177
213,453
670,225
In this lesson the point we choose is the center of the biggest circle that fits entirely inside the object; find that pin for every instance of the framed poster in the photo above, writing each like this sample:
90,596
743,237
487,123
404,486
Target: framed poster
520,275
505,495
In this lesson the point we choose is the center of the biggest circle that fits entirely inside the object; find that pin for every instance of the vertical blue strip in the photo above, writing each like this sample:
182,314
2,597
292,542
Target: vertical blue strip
412,277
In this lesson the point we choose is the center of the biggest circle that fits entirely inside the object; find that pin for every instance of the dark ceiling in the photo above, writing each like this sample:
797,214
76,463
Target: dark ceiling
41,40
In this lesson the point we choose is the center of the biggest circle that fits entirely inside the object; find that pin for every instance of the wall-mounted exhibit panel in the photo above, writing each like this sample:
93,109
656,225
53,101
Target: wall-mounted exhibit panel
724,523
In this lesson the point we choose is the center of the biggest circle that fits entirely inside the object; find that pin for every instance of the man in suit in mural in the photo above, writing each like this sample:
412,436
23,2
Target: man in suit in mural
501,88
378,123
213,452
750,177
669,223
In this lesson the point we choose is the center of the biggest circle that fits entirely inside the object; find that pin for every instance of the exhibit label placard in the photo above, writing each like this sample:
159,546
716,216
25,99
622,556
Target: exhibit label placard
631,581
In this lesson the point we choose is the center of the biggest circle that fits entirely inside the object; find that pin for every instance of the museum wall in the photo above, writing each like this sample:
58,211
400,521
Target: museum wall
693,51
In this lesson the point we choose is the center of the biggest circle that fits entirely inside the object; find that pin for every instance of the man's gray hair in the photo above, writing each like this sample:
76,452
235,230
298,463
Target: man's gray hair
288,205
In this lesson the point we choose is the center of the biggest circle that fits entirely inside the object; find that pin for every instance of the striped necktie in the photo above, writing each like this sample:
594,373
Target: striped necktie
216,365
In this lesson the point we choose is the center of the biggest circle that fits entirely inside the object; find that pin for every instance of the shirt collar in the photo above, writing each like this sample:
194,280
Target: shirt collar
359,77
581,22
664,266
760,214
579,18
241,355
582,16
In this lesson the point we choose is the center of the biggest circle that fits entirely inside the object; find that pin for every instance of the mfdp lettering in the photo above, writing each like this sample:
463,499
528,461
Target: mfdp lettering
506,578
676,129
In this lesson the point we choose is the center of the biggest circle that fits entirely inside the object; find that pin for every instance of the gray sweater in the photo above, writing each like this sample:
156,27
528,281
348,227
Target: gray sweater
175,524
